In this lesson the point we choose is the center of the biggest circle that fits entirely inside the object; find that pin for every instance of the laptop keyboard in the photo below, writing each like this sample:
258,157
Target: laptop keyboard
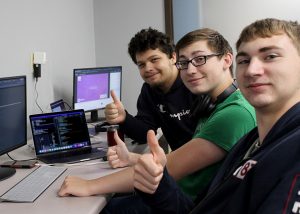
32,186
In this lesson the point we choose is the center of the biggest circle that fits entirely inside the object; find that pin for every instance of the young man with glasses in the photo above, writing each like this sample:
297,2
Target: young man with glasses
261,173
223,120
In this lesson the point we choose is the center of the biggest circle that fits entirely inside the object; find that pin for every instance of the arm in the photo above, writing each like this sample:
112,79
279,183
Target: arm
196,154
121,181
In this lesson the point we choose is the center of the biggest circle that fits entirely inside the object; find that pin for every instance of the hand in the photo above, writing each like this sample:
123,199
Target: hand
114,112
74,186
149,169
118,156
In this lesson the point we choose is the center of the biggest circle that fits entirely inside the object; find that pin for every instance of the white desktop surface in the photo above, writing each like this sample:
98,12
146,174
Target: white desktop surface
49,201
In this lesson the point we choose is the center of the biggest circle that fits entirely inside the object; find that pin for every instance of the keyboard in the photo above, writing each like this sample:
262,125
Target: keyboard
33,185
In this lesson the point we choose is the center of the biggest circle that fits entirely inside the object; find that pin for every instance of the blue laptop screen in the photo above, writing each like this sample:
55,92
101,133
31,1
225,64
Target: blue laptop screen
60,131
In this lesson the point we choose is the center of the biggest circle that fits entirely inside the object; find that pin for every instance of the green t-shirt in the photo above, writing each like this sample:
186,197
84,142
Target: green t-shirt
230,120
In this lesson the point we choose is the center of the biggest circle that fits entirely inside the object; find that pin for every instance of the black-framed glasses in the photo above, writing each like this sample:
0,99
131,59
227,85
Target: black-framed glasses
196,61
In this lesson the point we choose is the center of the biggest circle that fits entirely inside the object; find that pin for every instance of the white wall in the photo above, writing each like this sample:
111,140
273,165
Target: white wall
64,29
116,22
229,17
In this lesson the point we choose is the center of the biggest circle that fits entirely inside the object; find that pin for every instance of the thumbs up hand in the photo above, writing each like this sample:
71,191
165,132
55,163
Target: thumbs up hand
114,112
118,155
149,168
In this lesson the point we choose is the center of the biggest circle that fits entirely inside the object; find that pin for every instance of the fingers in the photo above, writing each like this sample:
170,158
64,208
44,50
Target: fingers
114,112
147,174
65,187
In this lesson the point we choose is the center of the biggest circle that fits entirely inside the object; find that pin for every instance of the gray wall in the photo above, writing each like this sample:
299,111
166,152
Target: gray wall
231,16
116,22
65,30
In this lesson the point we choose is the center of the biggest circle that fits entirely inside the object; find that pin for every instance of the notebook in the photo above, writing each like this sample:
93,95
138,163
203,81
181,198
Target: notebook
62,137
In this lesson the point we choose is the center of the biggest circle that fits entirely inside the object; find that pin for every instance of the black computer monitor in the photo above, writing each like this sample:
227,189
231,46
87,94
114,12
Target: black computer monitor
91,88
13,121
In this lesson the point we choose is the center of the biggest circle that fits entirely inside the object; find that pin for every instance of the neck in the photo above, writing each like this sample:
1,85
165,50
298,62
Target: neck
266,117
221,88
167,86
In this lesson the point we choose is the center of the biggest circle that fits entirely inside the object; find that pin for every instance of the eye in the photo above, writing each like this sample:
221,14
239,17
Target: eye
141,65
271,56
153,60
241,61
183,63
199,59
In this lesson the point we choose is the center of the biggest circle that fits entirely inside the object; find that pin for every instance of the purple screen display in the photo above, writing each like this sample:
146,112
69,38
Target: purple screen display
92,87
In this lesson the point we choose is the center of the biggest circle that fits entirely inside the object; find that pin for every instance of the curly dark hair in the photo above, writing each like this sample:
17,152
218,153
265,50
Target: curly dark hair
150,39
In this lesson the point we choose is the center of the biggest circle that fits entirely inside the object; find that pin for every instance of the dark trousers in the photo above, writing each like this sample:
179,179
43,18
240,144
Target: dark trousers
126,204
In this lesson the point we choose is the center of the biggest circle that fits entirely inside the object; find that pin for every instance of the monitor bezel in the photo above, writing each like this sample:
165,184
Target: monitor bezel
2,152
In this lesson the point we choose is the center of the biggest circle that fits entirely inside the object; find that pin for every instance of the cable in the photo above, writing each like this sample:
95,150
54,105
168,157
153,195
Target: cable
20,160
37,95
70,108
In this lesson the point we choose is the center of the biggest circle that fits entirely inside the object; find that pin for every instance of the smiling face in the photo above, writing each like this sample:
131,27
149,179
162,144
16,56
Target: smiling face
157,69
208,78
268,72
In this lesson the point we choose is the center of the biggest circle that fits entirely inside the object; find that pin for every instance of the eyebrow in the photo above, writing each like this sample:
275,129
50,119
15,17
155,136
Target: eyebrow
261,50
193,53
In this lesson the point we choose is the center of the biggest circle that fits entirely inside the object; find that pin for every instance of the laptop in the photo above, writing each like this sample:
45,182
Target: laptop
62,137
58,106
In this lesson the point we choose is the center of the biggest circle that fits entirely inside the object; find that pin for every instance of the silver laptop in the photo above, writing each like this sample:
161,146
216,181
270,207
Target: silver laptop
62,137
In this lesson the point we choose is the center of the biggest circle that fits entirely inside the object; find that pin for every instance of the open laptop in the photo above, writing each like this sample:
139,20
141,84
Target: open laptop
62,137
58,105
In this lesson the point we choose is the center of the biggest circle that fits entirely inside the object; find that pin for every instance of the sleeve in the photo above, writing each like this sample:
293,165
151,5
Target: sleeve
168,197
136,127
226,126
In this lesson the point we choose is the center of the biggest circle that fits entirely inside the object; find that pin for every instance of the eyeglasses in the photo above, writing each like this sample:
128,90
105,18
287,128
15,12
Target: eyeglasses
196,61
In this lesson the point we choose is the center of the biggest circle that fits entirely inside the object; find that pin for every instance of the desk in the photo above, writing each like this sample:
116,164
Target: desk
49,202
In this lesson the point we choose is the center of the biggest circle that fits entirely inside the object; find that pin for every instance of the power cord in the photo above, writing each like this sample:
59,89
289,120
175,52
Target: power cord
19,160
37,95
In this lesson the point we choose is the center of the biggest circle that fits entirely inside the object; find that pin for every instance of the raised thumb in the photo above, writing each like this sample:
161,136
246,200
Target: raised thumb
117,138
114,97
153,143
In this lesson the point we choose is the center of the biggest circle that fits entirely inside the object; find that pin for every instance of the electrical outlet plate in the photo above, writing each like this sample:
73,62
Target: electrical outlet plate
39,57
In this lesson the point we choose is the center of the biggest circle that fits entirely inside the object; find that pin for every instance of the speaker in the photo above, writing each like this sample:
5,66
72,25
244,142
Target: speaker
203,105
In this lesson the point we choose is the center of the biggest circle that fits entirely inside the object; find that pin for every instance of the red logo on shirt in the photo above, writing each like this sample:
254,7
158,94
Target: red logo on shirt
243,170
293,201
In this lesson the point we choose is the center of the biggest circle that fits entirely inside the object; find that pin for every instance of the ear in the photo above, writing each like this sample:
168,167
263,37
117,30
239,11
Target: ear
228,60
173,57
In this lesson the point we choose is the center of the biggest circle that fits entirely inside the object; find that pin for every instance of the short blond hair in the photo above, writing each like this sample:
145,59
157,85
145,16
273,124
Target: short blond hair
265,28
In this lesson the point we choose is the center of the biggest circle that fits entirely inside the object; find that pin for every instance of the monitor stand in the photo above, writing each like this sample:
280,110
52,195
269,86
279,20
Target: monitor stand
95,117
6,172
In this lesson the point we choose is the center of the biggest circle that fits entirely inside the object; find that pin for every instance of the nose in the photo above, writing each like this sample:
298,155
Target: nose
191,69
148,66
255,67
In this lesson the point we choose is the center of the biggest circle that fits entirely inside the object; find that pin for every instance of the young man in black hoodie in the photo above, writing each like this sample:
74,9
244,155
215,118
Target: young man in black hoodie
164,102
261,173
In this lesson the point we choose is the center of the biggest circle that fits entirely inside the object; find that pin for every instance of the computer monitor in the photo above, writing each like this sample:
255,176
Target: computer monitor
91,88
13,119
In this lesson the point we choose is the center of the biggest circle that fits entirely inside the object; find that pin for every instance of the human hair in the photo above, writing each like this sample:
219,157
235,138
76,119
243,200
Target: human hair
265,28
150,39
215,41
